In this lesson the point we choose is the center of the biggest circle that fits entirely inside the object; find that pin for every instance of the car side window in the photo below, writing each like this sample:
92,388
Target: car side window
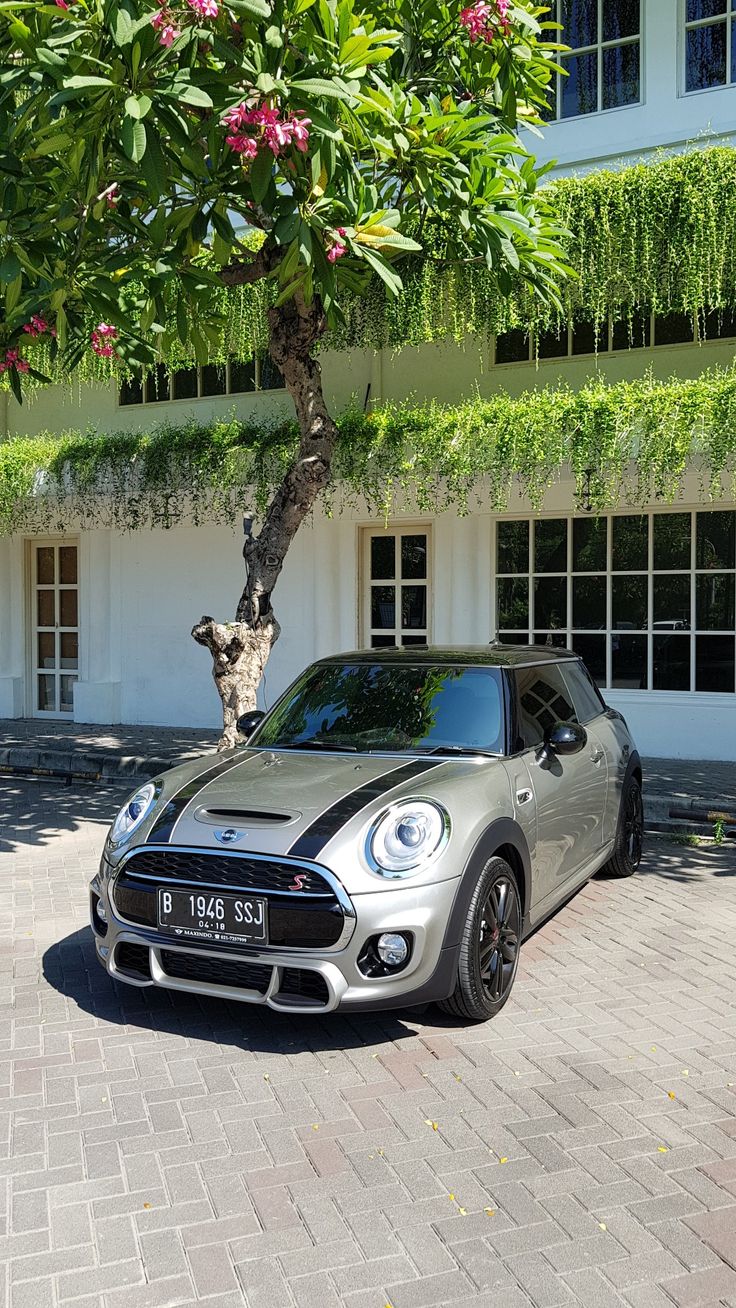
543,700
585,697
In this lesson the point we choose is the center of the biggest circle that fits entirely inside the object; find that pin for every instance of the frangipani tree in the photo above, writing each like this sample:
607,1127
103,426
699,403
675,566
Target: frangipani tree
149,153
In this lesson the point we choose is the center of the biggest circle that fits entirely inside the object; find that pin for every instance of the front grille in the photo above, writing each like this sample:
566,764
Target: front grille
310,918
299,984
133,960
238,870
216,971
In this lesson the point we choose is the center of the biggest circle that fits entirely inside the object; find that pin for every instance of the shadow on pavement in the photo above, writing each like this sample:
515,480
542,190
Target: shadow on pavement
36,811
687,863
71,967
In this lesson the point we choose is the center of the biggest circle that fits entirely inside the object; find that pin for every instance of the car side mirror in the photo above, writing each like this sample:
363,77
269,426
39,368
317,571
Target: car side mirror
565,738
247,722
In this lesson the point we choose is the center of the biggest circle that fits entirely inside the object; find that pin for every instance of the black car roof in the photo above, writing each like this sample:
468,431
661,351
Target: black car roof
494,655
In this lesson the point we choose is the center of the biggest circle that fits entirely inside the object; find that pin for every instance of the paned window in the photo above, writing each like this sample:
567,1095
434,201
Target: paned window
54,627
396,598
641,331
233,378
604,64
648,600
709,44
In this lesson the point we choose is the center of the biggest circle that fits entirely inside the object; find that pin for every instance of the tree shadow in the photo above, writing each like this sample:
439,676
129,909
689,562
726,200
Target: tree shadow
35,812
686,864
70,966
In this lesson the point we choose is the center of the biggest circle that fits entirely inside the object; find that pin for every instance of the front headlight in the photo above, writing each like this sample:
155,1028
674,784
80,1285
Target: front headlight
406,837
132,813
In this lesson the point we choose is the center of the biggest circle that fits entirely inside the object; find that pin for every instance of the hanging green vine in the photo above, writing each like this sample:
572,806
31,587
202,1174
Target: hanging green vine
659,235
631,441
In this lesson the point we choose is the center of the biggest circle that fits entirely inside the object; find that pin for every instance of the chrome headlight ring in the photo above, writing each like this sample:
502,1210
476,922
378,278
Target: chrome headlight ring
405,837
134,811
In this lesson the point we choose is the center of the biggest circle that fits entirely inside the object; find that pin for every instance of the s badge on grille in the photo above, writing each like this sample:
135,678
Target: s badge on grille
229,836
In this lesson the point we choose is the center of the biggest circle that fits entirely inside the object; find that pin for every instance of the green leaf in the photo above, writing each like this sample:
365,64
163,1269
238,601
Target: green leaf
9,267
273,37
193,95
153,165
321,87
386,273
133,139
261,173
258,8
137,106
87,83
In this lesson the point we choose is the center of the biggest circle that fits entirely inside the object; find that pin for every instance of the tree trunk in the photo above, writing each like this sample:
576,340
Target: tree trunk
240,649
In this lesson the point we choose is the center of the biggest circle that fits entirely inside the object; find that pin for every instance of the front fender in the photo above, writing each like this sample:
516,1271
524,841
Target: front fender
502,832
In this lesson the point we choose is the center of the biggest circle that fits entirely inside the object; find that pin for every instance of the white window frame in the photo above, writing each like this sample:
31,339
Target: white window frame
570,633
597,48
398,529
729,18
33,628
190,399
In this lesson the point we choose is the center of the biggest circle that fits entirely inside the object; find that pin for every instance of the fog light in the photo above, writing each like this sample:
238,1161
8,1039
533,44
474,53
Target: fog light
101,910
392,949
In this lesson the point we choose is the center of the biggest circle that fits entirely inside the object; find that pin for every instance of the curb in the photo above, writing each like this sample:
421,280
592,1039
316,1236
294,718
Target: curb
21,760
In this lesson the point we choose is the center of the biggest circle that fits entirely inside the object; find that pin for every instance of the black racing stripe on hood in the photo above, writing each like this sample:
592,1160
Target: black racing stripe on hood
313,840
160,833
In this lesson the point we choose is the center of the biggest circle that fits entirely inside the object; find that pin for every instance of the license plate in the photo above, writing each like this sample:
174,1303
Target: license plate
201,915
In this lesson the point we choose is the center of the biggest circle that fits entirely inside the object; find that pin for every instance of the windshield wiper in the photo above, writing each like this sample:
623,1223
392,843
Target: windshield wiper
461,749
314,743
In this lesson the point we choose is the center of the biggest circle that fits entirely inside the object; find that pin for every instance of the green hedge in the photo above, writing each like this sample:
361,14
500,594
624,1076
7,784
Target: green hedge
630,441
660,235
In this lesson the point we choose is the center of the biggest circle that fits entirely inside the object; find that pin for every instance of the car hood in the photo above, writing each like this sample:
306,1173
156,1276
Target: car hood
301,804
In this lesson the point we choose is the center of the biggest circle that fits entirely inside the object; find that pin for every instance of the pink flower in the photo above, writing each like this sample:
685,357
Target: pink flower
101,337
247,146
62,4
13,360
37,326
338,247
162,23
205,8
479,19
275,132
111,195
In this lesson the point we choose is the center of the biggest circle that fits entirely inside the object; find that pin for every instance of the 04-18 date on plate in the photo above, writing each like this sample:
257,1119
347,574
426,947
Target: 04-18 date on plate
205,916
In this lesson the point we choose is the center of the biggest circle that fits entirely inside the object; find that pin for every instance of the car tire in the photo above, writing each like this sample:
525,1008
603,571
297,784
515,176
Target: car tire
489,949
626,856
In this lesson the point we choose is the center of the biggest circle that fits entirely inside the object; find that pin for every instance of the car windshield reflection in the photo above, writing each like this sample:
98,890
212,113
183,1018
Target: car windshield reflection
396,709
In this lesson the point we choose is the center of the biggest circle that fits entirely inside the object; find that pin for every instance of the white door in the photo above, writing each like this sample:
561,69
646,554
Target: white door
54,627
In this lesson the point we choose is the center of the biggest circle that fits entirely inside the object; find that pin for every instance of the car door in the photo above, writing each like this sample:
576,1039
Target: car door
568,792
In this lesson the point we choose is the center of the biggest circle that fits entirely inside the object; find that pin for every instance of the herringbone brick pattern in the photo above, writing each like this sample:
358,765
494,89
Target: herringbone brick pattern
157,1151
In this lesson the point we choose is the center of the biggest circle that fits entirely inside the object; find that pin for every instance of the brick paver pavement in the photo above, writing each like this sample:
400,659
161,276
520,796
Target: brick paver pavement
156,1150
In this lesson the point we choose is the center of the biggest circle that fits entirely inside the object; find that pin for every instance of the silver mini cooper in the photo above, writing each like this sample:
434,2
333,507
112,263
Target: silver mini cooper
388,835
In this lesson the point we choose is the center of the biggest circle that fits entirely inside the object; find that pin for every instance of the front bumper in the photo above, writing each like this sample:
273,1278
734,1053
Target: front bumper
293,980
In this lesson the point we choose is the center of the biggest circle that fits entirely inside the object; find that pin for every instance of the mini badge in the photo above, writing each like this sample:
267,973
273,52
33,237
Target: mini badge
229,837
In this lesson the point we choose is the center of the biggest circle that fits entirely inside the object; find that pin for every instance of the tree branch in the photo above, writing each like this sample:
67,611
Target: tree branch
261,264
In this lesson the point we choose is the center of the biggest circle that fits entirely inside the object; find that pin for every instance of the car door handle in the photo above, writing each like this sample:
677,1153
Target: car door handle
523,796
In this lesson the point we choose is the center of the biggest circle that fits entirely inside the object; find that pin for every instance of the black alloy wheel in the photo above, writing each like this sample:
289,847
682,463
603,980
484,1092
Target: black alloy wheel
630,835
489,951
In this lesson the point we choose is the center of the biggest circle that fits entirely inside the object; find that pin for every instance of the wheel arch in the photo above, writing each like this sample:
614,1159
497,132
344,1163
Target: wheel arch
505,839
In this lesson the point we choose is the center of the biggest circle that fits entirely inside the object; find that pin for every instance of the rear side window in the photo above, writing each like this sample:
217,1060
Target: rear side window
543,699
585,697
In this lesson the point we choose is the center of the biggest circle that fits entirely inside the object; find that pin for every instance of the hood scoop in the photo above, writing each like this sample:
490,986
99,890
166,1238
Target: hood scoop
251,817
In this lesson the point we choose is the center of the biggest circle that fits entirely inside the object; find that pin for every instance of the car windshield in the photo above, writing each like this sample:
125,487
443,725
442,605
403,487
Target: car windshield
389,707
